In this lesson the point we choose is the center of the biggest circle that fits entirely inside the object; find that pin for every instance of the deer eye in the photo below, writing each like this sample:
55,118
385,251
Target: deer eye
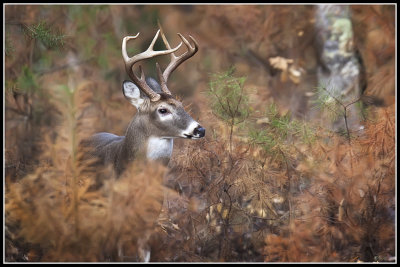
163,111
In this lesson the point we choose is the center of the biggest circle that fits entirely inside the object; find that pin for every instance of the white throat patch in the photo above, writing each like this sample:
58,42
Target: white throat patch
159,147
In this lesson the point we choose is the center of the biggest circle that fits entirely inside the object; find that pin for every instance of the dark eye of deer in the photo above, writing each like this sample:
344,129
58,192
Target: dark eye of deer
163,111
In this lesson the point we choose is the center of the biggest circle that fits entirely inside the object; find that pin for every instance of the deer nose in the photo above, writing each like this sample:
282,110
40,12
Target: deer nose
199,131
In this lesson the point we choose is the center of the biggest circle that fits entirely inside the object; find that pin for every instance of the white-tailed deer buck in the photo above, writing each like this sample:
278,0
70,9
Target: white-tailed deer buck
160,117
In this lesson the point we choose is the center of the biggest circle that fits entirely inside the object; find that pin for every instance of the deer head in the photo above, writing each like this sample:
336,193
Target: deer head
165,115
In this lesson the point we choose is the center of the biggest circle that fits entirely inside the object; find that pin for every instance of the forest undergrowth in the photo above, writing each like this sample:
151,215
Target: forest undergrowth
259,187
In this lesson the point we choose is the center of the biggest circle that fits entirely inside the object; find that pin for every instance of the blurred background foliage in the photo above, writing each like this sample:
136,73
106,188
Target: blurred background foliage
272,181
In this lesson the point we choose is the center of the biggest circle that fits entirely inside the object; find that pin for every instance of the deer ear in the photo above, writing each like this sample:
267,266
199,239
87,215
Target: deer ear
132,93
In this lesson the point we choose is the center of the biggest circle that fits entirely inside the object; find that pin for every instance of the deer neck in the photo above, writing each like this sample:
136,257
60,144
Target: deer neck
139,139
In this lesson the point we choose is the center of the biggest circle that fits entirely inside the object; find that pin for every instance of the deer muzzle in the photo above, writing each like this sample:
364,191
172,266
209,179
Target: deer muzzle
199,132
194,131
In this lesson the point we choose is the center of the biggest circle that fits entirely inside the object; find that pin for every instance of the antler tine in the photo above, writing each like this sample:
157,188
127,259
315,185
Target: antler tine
165,39
149,53
154,41
163,84
124,53
176,61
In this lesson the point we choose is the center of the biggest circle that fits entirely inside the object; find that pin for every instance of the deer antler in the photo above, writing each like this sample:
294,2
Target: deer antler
175,61
149,53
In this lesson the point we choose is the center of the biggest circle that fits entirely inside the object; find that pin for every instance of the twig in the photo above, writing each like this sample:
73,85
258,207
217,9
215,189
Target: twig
345,114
